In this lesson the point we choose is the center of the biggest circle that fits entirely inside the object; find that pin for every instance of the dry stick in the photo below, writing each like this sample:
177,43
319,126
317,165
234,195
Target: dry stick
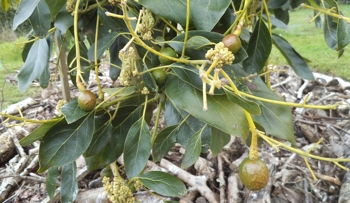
232,189
221,180
197,182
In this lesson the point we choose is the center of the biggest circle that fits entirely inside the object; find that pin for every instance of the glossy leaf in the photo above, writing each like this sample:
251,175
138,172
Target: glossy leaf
25,9
64,143
259,48
163,183
125,117
169,9
193,150
44,78
221,113
40,19
187,124
69,184
55,7
277,120
294,59
343,34
276,3
51,178
276,22
137,148
115,24
246,104
197,42
38,133
102,134
207,13
72,112
64,20
163,142
282,15
120,91
218,140
35,64
103,44
330,32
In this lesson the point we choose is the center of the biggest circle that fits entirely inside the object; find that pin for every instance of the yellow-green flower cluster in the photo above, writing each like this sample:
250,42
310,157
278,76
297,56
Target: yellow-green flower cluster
220,53
138,185
129,70
70,6
60,103
116,191
145,28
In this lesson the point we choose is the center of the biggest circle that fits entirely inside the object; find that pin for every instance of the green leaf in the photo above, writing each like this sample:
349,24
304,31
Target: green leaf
72,112
221,113
35,64
343,36
44,79
294,59
163,142
218,140
125,117
69,184
193,150
64,143
137,148
197,42
276,3
275,22
246,104
115,24
330,32
102,134
120,91
55,7
207,13
40,19
25,9
259,48
51,179
38,133
173,10
103,44
163,183
282,15
187,124
64,20
277,120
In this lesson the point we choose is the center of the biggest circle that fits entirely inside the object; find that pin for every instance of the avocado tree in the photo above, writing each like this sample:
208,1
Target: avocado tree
203,63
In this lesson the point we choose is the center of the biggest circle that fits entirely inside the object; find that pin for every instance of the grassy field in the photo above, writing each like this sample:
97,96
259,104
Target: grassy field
10,62
309,41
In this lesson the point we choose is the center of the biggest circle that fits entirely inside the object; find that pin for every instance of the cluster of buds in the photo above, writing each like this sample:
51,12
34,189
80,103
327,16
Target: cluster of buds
221,54
117,191
70,6
138,185
129,75
60,103
129,70
145,28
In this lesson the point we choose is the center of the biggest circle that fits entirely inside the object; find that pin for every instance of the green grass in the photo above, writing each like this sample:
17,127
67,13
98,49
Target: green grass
308,41
10,62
